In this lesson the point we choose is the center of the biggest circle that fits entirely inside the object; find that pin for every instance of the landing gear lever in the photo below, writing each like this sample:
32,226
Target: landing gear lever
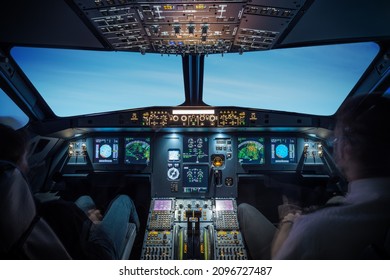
217,177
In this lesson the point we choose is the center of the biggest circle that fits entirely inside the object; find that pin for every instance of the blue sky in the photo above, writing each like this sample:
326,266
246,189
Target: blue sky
83,82
307,80
312,80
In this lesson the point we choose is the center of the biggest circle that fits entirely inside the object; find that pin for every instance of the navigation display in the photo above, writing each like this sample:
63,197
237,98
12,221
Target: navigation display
137,150
106,150
196,178
283,150
195,149
250,150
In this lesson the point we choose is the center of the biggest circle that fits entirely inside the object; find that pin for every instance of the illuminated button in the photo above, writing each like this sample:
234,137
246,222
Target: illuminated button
218,161
168,7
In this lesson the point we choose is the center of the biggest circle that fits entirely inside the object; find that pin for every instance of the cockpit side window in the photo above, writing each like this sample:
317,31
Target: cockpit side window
10,113
387,92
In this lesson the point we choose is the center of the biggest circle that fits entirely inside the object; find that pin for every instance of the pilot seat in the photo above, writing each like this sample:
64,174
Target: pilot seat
25,235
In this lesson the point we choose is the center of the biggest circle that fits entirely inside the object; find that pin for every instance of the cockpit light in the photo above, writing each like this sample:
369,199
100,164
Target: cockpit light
193,112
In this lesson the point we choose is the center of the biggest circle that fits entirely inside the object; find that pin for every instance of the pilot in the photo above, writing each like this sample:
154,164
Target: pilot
87,233
358,226
84,231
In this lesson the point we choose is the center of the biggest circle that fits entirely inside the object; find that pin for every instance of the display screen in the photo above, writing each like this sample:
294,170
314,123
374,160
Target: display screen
137,150
196,178
224,205
162,205
174,155
195,149
106,150
250,150
283,150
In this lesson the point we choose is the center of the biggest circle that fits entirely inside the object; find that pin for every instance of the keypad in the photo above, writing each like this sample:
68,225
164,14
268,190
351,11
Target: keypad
160,220
226,220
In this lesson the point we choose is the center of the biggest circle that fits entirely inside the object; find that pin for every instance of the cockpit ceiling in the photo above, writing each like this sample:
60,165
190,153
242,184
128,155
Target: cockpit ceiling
190,27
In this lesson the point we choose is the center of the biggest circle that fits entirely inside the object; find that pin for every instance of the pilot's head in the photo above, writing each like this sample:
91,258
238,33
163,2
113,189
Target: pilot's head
14,147
362,141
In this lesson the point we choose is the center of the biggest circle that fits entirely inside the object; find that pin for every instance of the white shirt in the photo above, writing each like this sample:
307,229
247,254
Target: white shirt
344,231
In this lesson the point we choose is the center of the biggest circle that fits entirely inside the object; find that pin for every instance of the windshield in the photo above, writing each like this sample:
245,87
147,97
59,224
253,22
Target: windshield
10,113
312,80
77,82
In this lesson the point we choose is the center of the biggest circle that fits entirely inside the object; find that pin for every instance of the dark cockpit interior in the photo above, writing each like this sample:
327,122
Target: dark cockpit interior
189,165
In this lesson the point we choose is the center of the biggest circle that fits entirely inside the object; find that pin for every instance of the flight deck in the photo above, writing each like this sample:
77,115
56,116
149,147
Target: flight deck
194,179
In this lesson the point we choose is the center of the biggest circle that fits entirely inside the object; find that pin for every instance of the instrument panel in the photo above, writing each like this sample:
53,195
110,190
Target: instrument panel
193,164
194,178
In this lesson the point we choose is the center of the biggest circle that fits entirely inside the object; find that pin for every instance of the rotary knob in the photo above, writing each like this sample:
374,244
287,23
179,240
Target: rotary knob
173,173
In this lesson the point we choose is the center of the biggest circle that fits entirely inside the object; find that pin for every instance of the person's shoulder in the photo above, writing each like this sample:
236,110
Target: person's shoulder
7,168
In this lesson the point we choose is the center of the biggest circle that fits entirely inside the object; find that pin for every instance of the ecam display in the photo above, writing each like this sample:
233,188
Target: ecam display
196,178
195,149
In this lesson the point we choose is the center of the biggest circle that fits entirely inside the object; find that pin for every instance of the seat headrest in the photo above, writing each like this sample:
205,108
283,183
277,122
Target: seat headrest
17,206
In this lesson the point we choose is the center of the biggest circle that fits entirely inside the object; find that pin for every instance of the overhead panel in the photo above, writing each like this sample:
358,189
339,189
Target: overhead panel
190,27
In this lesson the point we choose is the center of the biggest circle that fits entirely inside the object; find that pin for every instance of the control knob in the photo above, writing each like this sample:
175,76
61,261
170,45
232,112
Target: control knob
173,173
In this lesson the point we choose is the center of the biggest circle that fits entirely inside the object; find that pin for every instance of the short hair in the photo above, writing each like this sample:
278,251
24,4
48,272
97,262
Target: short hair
13,143
365,125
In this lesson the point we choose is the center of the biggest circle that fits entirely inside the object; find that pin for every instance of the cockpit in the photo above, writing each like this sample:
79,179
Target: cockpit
189,107
196,179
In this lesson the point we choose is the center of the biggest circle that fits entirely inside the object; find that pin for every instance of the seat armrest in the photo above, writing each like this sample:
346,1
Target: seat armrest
129,241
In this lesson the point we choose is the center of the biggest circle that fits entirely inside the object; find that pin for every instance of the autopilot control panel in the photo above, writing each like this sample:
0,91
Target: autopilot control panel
204,229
